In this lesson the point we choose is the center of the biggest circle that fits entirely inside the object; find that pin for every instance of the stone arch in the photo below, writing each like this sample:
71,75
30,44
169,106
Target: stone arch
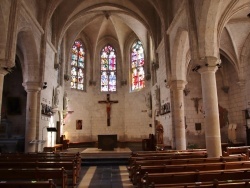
126,66
245,57
231,61
89,55
179,58
3,37
240,59
73,21
96,68
27,46
208,42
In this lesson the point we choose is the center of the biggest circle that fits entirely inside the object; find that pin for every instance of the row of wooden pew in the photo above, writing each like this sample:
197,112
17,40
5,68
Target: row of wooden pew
43,169
186,168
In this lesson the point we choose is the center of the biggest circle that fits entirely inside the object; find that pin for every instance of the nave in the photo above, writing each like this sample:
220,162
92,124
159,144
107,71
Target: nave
105,177
143,169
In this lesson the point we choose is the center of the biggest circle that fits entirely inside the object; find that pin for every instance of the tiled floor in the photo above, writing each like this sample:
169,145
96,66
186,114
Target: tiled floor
105,177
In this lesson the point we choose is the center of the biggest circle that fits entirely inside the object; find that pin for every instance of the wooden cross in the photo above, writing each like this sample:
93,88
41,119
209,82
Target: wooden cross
196,103
108,103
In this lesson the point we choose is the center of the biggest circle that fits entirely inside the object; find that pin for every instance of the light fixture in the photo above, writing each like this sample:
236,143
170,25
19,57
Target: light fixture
44,85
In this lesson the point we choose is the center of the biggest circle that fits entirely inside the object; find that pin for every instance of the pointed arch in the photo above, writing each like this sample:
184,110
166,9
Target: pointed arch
137,66
27,45
78,66
108,69
179,57
2,33
208,41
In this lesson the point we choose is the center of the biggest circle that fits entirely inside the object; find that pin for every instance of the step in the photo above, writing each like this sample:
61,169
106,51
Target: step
104,161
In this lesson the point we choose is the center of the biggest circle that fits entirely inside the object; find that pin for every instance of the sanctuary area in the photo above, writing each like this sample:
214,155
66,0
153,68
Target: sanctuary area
157,74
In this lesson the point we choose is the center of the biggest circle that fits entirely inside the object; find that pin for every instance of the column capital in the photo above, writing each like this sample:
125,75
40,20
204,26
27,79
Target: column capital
178,84
3,71
207,68
212,61
32,86
205,64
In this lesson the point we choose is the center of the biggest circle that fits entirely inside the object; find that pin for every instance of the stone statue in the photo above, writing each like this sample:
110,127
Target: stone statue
56,97
65,102
159,134
157,97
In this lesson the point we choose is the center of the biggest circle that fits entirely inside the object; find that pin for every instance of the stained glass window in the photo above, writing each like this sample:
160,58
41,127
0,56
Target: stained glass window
137,66
108,69
77,66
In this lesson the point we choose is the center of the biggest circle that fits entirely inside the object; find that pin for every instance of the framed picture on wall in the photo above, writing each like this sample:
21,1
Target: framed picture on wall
78,124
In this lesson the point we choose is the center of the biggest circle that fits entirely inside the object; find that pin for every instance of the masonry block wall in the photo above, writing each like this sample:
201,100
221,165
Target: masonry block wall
129,117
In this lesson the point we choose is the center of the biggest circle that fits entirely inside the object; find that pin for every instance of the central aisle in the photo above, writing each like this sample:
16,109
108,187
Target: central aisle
105,177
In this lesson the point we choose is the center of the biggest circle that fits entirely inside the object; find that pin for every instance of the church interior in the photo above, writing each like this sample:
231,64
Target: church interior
138,74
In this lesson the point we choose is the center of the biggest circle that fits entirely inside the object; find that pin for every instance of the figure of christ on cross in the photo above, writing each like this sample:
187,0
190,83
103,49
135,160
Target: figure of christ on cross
108,103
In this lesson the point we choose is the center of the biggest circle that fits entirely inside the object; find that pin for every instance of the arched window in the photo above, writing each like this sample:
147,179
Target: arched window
108,69
137,66
78,66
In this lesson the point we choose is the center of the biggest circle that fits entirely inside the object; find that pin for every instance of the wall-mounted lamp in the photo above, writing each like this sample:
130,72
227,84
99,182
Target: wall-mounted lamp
44,85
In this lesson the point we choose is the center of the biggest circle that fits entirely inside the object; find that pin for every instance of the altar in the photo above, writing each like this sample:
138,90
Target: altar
107,142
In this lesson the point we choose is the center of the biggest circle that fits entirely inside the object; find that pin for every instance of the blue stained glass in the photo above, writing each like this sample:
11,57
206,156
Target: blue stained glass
137,66
108,69
77,66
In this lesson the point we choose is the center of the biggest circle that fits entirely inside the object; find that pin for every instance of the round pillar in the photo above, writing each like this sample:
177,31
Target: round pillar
210,104
32,89
3,72
177,86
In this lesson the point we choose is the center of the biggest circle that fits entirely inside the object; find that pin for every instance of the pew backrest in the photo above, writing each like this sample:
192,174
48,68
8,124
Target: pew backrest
59,175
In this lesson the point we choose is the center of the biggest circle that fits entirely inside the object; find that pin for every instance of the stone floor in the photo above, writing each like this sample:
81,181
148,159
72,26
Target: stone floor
103,176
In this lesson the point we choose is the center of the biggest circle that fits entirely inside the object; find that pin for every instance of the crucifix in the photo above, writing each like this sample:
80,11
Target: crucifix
108,103
196,103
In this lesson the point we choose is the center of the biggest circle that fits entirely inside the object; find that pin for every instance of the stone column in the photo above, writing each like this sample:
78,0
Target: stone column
210,104
177,86
32,89
3,72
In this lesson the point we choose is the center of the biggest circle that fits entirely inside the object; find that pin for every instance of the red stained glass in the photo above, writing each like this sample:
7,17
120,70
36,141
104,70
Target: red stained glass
137,66
77,66
108,69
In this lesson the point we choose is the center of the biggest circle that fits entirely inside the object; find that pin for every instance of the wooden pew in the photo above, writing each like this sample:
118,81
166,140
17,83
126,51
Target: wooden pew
191,177
216,184
28,184
56,147
132,169
58,175
169,154
42,157
138,153
70,167
132,160
237,150
42,154
187,168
